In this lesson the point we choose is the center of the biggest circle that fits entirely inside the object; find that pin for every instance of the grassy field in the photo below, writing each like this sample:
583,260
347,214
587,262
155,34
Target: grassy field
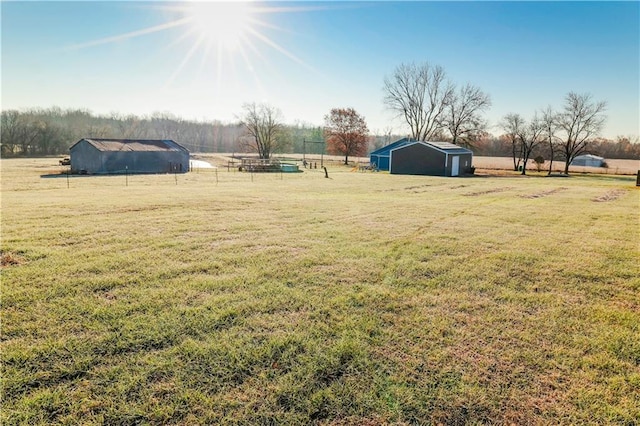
362,299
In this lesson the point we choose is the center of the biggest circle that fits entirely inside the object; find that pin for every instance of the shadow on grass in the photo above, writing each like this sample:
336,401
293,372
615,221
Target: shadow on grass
88,175
69,175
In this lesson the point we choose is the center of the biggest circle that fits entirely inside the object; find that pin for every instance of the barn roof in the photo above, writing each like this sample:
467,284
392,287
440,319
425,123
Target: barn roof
115,145
448,147
588,157
386,149
440,146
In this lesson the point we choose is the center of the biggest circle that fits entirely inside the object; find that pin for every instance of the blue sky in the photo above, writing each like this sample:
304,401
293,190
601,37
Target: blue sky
308,57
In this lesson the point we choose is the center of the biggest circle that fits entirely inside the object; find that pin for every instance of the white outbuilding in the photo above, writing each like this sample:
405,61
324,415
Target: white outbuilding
588,160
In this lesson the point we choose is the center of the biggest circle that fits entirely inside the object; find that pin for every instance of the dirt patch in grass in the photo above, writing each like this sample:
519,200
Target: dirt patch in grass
543,193
612,195
10,258
488,191
408,188
413,188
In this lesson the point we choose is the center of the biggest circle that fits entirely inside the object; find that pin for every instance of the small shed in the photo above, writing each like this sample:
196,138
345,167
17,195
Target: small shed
112,156
430,158
410,157
588,160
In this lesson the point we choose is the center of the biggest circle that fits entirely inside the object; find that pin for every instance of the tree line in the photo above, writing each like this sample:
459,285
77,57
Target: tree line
432,106
51,131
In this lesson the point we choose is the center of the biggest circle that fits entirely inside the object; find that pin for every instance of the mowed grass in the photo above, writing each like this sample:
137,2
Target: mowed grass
362,299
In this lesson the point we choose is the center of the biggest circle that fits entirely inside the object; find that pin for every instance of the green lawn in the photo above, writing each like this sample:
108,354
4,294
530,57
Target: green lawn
363,299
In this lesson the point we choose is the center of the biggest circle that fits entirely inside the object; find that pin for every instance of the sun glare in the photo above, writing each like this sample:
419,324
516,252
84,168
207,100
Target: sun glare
210,28
224,24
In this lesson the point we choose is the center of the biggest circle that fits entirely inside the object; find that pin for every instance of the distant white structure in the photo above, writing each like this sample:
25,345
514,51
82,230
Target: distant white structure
588,160
200,164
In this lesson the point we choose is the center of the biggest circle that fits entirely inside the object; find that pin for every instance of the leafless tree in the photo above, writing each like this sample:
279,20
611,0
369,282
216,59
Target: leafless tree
580,120
132,127
514,125
28,136
420,94
167,125
263,125
463,114
531,135
550,125
10,128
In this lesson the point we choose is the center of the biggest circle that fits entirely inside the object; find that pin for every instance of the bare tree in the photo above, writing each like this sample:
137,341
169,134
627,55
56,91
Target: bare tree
580,120
462,116
131,127
513,125
263,124
346,132
28,136
550,125
530,137
10,129
166,125
420,95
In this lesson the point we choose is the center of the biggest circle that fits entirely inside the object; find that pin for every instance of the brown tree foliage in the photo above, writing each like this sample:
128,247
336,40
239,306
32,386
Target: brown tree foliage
346,133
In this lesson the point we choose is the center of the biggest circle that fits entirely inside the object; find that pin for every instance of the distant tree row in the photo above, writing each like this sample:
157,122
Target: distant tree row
51,131
38,132
560,134
623,147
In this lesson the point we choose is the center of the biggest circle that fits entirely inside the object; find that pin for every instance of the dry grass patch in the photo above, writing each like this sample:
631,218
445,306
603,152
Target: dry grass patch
305,300
544,193
488,191
9,258
611,195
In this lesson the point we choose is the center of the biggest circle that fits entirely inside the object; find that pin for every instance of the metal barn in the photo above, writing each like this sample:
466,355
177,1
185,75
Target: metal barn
112,156
380,157
430,158
588,160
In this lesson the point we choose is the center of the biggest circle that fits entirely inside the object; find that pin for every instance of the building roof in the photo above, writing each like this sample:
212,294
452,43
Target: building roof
440,146
384,151
588,156
448,147
115,145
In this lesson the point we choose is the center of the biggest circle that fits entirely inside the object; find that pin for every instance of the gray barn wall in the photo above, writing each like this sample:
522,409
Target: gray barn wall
417,160
85,157
464,168
144,162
